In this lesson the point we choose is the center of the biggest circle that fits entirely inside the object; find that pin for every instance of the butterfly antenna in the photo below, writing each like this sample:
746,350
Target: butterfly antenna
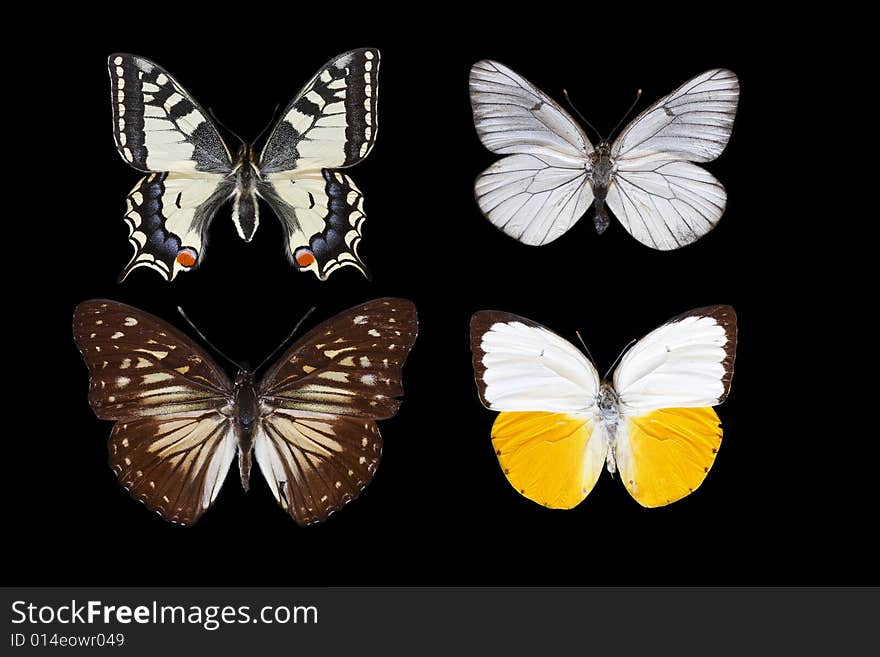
206,340
271,121
628,112
287,339
619,356
225,127
578,112
586,348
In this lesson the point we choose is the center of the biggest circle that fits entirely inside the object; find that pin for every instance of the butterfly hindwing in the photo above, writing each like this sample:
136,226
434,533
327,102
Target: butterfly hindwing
323,214
541,188
168,216
318,443
174,464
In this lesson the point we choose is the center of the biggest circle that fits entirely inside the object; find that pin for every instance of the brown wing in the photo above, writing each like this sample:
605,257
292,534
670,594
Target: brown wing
318,444
349,365
140,365
174,464
316,464
172,444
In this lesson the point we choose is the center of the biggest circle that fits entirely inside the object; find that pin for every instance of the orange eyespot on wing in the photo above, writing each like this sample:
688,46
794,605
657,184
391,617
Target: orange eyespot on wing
187,257
553,459
304,258
666,454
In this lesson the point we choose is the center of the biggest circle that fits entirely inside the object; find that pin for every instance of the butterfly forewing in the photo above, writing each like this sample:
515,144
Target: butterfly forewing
318,443
140,365
158,126
332,121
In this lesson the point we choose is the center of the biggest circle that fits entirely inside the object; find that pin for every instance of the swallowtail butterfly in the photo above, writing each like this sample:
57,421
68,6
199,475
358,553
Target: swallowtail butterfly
552,173
161,130
310,420
560,423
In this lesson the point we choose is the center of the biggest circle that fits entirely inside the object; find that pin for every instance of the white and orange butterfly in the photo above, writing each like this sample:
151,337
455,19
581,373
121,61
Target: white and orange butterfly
652,420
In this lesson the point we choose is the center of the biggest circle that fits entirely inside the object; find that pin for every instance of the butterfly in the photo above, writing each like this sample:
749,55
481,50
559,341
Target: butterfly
161,130
652,420
310,420
647,177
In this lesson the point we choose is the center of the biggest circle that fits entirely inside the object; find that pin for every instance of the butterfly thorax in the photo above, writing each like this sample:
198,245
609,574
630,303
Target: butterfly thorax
608,415
601,174
245,417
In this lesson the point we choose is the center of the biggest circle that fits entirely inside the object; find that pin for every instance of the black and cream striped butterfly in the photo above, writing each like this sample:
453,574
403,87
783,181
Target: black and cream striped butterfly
161,130
310,420
552,173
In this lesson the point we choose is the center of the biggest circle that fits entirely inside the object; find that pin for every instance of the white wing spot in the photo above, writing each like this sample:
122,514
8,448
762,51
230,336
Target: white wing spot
362,460
125,364
365,362
92,335
323,498
99,322
182,370
125,442
156,377
130,321
127,461
117,335
360,319
369,379
365,442
161,79
338,484
142,363
374,333
118,61
122,381
341,377
308,369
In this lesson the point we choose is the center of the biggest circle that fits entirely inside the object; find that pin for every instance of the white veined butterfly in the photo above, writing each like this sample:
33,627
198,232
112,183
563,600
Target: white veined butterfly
552,173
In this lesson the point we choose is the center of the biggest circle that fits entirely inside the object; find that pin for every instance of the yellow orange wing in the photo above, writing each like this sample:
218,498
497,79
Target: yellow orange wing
665,454
553,459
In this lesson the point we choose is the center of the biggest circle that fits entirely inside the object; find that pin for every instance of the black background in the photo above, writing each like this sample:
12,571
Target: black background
439,510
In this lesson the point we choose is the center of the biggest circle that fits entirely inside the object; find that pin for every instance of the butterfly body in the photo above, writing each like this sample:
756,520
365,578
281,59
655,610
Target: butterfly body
601,175
245,404
246,174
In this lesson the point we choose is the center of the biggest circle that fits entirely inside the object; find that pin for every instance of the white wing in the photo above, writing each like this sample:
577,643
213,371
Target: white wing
168,215
522,366
157,125
540,190
323,213
662,199
332,122
686,363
